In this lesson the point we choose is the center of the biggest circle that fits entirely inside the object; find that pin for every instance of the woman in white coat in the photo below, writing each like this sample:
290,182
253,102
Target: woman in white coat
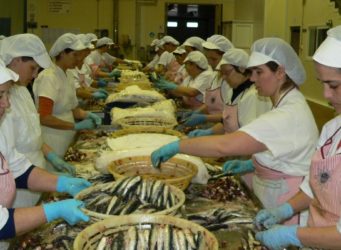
279,159
56,99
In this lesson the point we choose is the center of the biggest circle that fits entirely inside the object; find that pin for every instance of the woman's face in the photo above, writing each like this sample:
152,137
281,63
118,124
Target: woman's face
27,70
213,57
331,80
180,58
267,82
229,74
70,59
80,56
4,102
191,68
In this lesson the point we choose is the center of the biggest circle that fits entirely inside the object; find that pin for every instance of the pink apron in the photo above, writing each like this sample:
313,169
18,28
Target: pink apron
7,184
191,102
214,101
325,176
82,80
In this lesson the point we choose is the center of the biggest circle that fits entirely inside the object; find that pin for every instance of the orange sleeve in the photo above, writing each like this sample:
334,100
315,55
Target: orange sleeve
45,106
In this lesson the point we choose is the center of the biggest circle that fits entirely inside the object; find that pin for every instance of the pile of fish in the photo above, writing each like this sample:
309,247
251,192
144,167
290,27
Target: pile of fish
250,243
152,236
130,195
221,218
224,189
73,154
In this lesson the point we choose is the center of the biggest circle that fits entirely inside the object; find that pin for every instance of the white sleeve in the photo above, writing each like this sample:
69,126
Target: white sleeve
3,216
46,86
202,82
153,63
165,58
73,77
108,59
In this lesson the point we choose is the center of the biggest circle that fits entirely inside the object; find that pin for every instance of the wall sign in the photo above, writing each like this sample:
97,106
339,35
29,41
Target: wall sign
59,6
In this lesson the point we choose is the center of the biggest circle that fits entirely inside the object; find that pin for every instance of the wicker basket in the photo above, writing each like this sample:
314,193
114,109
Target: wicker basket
91,236
175,172
98,216
146,122
140,130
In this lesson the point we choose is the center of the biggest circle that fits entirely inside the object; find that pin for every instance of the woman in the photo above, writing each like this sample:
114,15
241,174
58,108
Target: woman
280,160
321,192
180,56
18,172
245,104
167,64
193,43
56,99
194,85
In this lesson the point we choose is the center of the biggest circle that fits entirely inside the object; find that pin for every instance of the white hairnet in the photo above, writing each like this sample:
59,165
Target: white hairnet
24,45
169,39
218,42
275,49
330,50
2,37
66,41
104,41
236,57
195,42
179,50
198,58
6,74
92,37
154,42
86,41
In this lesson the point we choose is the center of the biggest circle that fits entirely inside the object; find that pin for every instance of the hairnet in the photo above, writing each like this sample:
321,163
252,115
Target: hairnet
154,42
86,41
92,37
198,58
195,42
169,39
24,45
104,41
6,74
275,49
236,57
66,41
218,42
330,50
2,37
179,50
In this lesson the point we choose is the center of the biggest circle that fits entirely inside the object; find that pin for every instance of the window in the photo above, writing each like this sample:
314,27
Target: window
316,37
172,24
192,25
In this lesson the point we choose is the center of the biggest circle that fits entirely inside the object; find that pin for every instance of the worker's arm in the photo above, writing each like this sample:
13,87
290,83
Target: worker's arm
320,237
185,91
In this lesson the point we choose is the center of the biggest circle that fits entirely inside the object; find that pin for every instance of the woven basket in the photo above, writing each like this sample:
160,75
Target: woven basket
140,130
146,122
90,236
175,172
98,216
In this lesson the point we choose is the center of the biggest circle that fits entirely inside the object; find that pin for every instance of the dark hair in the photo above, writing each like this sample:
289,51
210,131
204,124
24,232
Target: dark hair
104,45
26,58
247,72
273,66
66,51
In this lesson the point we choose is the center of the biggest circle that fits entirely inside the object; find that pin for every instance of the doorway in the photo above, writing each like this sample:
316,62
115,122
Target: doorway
186,20
295,36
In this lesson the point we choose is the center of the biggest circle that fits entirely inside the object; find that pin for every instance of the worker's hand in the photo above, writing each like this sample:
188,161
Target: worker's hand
238,167
165,85
102,83
68,210
115,73
279,237
200,132
71,185
195,119
85,124
266,218
95,118
59,164
190,113
164,153
99,95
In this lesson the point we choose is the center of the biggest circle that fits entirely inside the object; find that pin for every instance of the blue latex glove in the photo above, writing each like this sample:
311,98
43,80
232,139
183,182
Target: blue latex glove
71,186
200,132
59,164
102,83
195,119
279,237
266,218
67,210
238,166
189,113
85,124
165,153
115,73
98,95
95,118
165,85
103,91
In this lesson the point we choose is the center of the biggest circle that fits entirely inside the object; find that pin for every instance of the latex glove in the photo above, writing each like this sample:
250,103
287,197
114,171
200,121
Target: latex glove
85,124
165,153
200,132
102,83
279,237
68,210
238,166
98,95
165,85
269,217
115,73
70,185
189,113
103,91
195,119
95,118
59,164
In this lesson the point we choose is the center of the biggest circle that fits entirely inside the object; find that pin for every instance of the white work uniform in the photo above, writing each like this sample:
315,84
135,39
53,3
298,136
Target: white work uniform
181,74
166,58
94,58
154,62
79,78
201,82
53,84
108,59
290,133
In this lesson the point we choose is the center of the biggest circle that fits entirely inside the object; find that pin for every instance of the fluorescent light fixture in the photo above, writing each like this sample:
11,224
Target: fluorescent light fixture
172,24
192,25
